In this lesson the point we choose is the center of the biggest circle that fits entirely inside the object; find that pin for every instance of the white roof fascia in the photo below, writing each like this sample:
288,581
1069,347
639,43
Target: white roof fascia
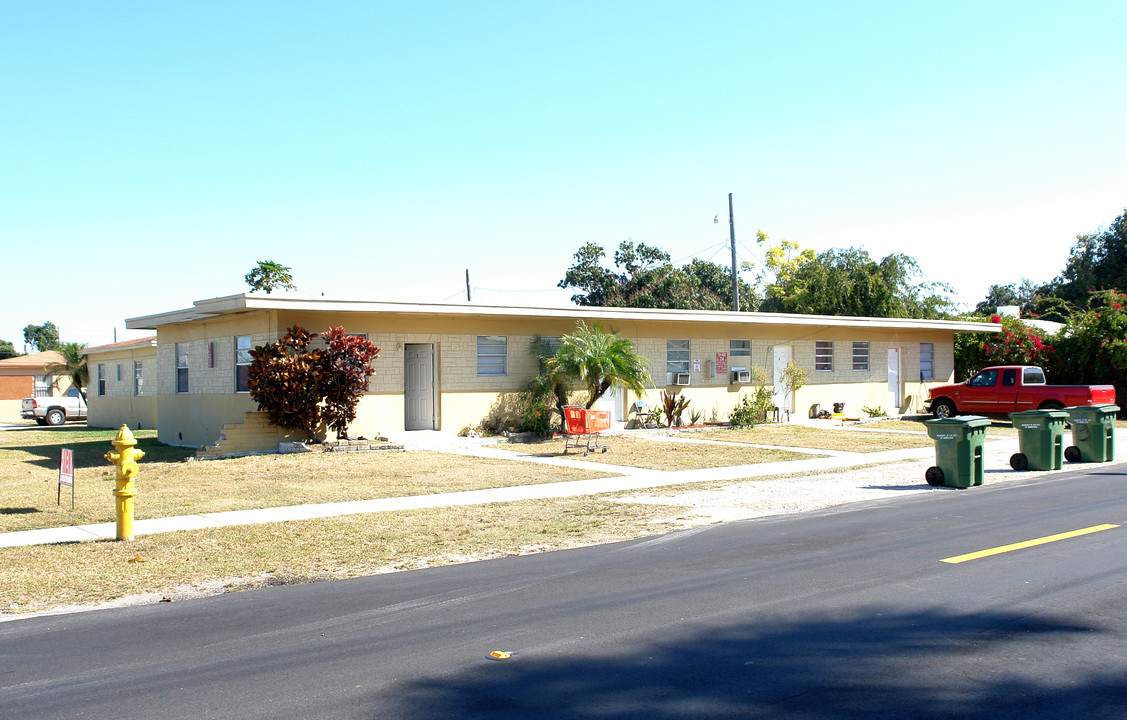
114,347
232,304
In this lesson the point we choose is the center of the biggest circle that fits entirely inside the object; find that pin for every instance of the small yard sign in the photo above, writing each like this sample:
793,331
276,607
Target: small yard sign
66,475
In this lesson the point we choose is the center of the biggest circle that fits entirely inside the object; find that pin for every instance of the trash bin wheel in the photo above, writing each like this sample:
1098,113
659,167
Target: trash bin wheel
1019,462
934,476
1072,453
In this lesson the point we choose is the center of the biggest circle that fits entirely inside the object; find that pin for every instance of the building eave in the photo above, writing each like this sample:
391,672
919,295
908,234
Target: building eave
233,304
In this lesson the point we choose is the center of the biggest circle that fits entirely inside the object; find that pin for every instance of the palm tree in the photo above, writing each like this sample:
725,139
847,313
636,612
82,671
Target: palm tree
73,366
598,360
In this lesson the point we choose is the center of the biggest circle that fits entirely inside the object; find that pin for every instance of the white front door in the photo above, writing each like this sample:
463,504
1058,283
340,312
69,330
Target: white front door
418,386
614,401
782,397
893,379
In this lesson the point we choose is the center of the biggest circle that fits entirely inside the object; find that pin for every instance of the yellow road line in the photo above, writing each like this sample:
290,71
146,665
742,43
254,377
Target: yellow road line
1026,544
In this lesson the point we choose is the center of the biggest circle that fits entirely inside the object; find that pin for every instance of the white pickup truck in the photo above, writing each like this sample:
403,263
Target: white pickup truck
55,410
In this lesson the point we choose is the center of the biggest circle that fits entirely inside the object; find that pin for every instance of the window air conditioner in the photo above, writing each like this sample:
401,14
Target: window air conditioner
680,378
741,376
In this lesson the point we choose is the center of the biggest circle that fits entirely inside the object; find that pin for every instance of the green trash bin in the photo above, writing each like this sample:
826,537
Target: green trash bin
1093,433
1040,438
958,450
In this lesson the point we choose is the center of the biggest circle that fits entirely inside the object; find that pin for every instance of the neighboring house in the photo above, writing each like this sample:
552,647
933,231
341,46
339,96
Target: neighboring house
117,393
26,376
443,367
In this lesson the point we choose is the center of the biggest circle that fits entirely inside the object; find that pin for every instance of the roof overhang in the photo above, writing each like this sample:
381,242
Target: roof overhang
138,344
234,304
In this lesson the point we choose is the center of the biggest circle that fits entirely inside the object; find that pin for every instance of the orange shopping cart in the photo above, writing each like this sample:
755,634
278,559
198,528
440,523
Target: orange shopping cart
583,428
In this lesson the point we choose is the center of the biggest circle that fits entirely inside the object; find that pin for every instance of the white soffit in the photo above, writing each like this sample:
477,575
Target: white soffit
233,304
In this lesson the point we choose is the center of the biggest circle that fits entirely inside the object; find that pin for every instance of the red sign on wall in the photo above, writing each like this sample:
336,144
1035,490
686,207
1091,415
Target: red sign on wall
721,362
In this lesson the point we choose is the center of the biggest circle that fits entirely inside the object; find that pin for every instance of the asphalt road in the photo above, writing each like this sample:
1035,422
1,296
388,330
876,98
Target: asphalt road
848,613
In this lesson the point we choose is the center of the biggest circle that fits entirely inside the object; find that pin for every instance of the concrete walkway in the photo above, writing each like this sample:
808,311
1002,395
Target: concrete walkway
909,463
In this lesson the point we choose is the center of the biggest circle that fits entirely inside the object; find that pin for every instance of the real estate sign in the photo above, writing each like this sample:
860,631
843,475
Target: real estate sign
66,475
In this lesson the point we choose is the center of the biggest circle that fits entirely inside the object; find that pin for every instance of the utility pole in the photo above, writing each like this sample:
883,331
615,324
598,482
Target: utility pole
468,298
735,277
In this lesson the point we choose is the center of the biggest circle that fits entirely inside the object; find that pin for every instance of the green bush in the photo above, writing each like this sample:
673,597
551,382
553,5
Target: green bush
536,417
744,414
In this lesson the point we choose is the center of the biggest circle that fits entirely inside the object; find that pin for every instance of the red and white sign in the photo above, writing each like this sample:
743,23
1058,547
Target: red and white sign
66,468
721,363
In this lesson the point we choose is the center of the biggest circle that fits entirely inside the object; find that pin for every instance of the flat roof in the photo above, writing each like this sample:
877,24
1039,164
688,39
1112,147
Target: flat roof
135,344
234,304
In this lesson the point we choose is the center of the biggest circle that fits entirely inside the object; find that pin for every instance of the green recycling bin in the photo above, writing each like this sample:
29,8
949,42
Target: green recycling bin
958,450
1040,438
1093,433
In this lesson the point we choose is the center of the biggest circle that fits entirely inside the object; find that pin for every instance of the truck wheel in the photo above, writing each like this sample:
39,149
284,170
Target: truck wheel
55,416
1019,462
1072,453
934,476
943,409
1051,405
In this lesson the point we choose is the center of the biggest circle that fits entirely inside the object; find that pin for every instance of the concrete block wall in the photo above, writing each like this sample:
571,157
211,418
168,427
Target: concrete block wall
254,435
211,364
119,377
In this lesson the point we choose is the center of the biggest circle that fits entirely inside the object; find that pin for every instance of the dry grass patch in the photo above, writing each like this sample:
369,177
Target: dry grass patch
167,486
50,576
815,438
658,454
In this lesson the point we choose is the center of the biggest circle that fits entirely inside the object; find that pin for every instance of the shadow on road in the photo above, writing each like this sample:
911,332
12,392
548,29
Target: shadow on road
931,664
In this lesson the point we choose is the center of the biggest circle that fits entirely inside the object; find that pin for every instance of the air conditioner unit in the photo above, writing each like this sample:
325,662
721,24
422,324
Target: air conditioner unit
741,376
680,378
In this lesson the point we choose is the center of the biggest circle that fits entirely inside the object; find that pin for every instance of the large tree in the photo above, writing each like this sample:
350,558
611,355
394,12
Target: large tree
1034,301
74,366
643,276
268,276
42,337
1098,261
7,349
849,282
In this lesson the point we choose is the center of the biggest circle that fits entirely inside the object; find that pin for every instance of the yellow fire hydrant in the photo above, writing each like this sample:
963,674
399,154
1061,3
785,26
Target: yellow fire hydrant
125,458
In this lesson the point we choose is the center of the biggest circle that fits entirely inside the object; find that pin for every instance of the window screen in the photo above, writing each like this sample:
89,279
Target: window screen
861,356
181,367
242,363
927,361
677,356
824,355
492,354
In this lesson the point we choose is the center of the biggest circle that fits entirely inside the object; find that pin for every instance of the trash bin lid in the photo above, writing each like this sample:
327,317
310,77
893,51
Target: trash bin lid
1092,410
1048,414
961,421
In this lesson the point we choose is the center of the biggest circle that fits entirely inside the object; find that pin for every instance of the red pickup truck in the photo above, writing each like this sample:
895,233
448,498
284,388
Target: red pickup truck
1012,388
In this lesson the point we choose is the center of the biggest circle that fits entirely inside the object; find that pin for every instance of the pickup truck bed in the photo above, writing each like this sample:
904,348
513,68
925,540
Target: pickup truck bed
54,410
1012,388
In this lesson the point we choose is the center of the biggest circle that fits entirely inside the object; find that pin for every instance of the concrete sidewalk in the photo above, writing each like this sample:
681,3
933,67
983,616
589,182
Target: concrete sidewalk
905,470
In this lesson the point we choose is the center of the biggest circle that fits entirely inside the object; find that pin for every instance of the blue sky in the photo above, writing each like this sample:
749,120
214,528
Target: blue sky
151,153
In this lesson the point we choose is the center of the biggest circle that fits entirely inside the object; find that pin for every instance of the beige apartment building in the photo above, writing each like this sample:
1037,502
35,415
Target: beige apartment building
118,393
445,366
